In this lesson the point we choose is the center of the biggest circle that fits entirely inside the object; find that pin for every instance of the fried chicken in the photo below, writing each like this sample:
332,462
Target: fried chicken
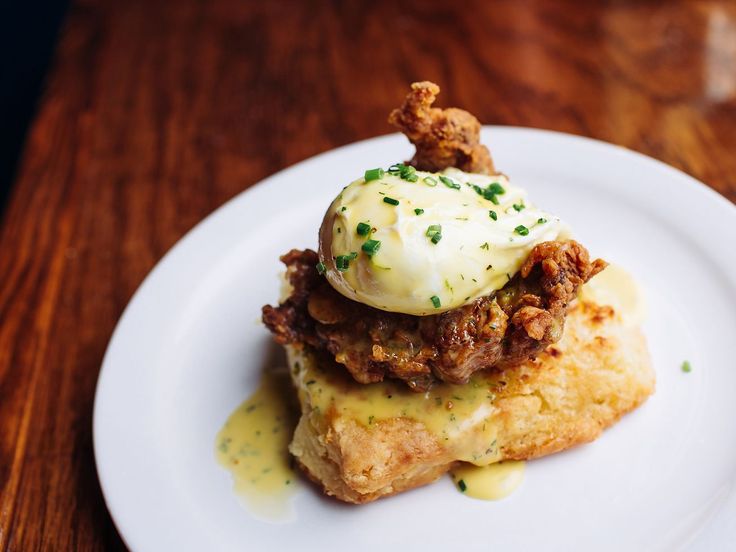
443,137
500,330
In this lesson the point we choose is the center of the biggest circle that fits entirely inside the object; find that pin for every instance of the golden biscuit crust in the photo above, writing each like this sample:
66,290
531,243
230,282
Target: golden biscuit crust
568,395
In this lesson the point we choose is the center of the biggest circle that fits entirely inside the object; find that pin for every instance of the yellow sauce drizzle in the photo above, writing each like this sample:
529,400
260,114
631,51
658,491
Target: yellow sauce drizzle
459,416
491,482
617,288
253,447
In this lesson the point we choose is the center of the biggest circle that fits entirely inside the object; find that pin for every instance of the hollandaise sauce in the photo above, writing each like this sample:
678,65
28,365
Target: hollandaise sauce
253,447
618,289
491,482
460,417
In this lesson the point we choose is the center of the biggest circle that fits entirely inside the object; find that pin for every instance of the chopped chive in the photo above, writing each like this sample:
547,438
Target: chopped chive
518,207
353,255
418,211
343,209
493,215
493,199
435,301
541,221
390,200
462,486
321,268
449,182
373,174
406,170
686,367
521,230
371,247
430,181
485,246
363,229
496,188
342,262
434,233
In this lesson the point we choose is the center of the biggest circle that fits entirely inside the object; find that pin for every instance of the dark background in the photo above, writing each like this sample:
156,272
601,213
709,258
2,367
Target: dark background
28,32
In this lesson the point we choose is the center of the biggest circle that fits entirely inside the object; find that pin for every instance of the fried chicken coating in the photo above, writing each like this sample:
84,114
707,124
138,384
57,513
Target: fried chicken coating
443,137
500,330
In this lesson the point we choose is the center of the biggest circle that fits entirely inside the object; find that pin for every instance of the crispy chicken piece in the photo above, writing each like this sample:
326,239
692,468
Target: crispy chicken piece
500,330
443,137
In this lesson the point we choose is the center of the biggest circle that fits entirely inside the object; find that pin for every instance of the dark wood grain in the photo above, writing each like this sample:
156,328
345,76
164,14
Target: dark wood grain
157,112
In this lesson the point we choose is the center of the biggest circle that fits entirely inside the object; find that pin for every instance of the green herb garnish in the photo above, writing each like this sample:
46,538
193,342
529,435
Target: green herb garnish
321,268
373,174
418,211
449,182
371,247
434,233
518,207
496,189
405,172
390,200
435,301
493,215
430,181
342,262
521,230
363,229
686,367
462,486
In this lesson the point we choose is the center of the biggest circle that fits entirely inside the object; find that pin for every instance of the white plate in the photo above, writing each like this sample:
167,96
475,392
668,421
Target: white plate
188,350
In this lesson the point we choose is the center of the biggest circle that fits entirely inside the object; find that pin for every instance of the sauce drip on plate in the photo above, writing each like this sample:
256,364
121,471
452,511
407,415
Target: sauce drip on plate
253,447
491,482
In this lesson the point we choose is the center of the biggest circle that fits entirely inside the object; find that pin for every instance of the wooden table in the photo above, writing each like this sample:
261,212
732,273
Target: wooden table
155,113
